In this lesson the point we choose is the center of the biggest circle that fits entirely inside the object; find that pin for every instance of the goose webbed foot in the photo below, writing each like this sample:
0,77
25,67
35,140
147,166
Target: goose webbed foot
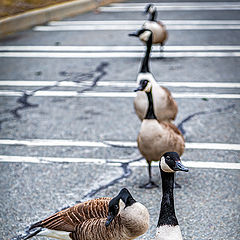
149,185
176,185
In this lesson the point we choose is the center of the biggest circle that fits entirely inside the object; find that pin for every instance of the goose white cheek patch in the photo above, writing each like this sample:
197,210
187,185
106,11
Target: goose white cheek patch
165,167
121,205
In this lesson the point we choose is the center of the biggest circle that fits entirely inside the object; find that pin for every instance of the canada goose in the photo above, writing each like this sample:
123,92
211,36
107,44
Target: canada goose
120,217
160,33
165,107
167,227
156,137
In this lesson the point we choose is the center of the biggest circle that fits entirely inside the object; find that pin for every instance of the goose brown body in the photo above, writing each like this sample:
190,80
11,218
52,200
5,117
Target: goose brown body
156,138
160,34
86,221
165,107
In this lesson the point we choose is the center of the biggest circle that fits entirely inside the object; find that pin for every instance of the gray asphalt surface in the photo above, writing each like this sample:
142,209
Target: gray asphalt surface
207,205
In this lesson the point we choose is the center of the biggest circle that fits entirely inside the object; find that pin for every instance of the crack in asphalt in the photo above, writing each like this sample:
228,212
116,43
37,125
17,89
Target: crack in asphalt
180,126
188,118
127,172
23,100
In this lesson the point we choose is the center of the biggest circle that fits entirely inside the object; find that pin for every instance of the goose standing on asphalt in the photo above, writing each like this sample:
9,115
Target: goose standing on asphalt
165,107
121,218
159,31
167,227
156,137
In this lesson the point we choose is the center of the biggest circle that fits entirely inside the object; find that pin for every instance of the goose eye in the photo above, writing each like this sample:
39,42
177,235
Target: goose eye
116,207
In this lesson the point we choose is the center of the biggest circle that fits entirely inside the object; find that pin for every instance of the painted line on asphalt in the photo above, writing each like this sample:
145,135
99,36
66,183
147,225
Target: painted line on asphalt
140,22
170,8
105,144
116,48
129,27
117,84
114,162
7,93
182,3
116,54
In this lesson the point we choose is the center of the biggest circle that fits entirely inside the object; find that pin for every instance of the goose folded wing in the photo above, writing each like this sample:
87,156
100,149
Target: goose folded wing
68,219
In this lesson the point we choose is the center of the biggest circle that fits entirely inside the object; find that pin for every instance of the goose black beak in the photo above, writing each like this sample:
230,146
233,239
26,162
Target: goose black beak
179,167
135,34
109,220
140,88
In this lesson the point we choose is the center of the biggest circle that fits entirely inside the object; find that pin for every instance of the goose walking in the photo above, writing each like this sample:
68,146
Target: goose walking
167,227
158,29
165,107
156,137
121,217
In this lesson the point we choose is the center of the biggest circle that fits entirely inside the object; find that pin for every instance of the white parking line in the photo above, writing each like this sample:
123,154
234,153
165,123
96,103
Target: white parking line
140,22
129,27
105,144
117,84
115,162
116,48
178,4
173,6
116,54
6,93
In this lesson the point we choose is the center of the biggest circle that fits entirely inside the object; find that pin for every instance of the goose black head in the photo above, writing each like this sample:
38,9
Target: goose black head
150,8
171,162
123,200
144,85
144,35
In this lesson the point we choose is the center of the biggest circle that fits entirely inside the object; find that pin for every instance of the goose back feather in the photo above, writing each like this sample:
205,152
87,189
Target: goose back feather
155,138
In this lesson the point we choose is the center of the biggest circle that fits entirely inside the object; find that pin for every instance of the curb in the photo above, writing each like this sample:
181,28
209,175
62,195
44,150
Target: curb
41,16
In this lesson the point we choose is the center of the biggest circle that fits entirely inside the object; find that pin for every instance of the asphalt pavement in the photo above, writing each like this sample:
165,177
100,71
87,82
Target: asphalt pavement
68,128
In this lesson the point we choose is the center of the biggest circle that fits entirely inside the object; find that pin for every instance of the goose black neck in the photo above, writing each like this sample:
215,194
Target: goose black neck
150,113
167,212
145,61
153,16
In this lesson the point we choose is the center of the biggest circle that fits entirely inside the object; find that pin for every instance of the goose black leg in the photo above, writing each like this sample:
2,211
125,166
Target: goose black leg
161,50
150,184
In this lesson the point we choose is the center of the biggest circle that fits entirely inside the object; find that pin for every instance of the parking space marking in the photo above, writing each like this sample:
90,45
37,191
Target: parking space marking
117,84
173,6
140,22
179,4
7,93
105,144
115,162
117,54
130,27
116,48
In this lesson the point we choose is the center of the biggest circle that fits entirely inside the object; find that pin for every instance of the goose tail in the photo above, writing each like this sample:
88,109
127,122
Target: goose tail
33,230
31,234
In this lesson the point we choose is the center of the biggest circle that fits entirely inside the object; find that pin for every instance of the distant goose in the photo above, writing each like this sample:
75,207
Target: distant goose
167,227
160,34
156,137
121,218
165,107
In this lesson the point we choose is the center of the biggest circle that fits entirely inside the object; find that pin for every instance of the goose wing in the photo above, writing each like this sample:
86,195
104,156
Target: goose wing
68,219
171,103
175,129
